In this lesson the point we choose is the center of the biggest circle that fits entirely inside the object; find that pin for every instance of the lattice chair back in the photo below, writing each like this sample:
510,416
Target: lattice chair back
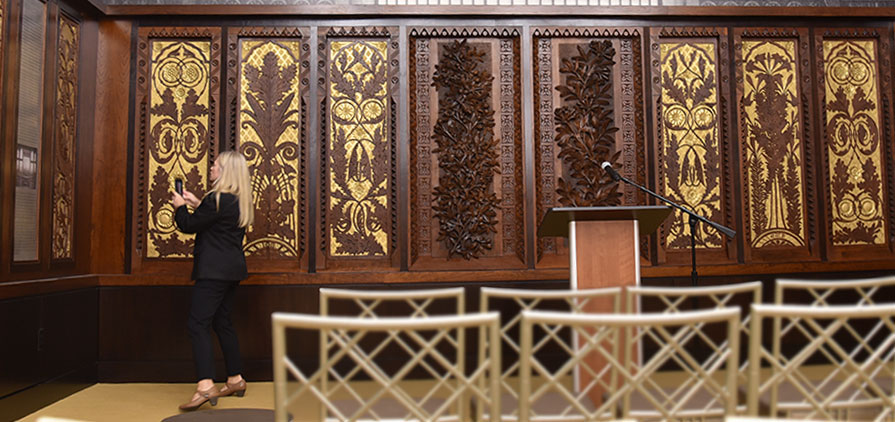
677,299
836,368
866,291
419,303
694,377
575,301
360,389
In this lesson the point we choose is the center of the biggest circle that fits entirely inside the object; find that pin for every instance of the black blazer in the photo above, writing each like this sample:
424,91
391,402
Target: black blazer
217,254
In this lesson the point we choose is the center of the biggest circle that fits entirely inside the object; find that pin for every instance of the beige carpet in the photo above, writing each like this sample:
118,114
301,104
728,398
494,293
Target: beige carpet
153,402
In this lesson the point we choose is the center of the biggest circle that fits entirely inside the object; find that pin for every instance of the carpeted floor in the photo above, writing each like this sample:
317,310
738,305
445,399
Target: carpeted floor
153,402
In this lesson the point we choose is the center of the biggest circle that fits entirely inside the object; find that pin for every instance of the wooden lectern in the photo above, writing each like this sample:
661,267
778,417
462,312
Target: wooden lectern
604,251
604,244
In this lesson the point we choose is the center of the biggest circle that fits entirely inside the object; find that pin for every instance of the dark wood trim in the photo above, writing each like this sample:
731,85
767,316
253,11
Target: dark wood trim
11,47
48,285
486,11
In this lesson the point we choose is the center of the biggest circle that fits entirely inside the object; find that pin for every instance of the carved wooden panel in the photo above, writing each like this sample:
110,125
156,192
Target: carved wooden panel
359,115
775,143
466,148
177,100
588,109
64,136
690,91
854,94
267,90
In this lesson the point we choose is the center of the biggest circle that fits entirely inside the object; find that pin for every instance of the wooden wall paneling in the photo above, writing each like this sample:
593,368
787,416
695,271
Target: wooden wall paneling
267,102
108,176
358,197
466,178
9,66
854,82
776,144
691,101
19,360
177,103
566,174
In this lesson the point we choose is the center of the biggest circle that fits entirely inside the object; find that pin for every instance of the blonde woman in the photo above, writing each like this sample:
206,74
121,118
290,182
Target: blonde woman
219,221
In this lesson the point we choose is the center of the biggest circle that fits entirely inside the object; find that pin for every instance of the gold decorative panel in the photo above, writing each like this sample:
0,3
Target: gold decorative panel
269,129
772,149
689,144
853,142
64,137
359,154
178,129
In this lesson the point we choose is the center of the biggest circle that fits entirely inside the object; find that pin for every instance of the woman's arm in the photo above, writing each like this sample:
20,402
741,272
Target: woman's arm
202,218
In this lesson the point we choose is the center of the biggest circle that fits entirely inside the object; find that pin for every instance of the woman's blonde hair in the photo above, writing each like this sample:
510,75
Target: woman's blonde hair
234,178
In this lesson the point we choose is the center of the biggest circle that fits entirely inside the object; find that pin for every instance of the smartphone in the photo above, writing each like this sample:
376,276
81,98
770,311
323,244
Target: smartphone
178,186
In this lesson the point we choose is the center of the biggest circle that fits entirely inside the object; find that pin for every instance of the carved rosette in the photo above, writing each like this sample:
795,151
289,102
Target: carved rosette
689,149
177,87
64,137
269,130
853,135
466,156
772,145
605,114
359,149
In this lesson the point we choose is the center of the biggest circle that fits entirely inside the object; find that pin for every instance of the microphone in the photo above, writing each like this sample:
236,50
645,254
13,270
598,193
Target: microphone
607,167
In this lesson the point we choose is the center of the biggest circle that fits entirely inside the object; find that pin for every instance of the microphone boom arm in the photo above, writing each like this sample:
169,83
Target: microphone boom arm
721,228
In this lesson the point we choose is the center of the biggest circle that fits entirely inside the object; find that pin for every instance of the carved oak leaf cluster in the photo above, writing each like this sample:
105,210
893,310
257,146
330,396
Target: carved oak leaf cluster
585,130
465,203
270,95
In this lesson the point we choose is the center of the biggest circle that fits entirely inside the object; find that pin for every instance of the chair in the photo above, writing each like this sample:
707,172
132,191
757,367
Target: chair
674,333
867,291
430,345
834,371
411,303
677,299
575,301
419,303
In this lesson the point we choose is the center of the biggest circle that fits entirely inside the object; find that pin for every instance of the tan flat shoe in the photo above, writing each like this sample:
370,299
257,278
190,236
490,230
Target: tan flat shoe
238,388
199,398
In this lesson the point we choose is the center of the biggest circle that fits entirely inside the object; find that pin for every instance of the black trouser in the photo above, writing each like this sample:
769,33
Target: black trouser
210,307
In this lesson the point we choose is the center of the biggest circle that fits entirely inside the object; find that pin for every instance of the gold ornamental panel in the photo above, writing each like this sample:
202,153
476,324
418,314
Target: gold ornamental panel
772,144
358,216
269,130
853,131
689,143
178,137
64,137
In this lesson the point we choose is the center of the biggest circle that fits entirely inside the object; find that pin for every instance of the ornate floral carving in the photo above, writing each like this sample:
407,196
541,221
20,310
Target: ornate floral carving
64,137
465,203
360,158
772,148
852,129
179,117
269,134
585,128
689,148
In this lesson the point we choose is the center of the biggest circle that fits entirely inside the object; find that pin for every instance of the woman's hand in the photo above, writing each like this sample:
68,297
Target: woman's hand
177,201
191,199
